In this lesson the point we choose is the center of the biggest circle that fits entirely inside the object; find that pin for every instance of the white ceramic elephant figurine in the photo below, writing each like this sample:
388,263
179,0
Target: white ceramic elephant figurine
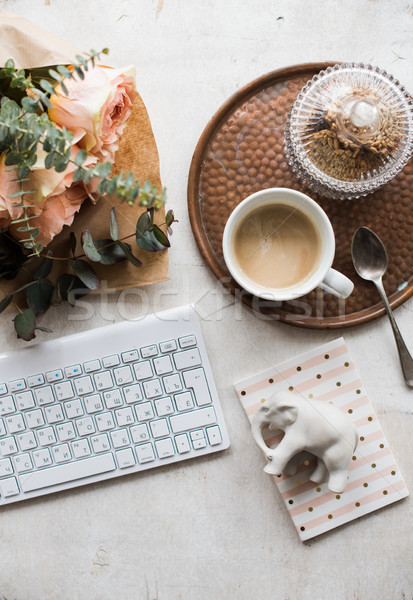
312,425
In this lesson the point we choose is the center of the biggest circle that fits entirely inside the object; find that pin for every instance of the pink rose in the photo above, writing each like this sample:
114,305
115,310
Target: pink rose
96,108
54,204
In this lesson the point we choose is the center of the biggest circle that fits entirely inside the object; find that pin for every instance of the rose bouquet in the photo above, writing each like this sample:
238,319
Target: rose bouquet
60,130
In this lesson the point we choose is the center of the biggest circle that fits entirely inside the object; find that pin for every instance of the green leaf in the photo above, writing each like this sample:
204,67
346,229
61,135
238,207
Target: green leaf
85,273
149,241
44,269
169,218
131,258
47,86
161,237
80,157
29,104
89,247
39,295
5,302
25,324
144,222
114,230
110,253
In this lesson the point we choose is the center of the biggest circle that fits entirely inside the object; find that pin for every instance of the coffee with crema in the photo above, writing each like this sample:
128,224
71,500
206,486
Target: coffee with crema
277,246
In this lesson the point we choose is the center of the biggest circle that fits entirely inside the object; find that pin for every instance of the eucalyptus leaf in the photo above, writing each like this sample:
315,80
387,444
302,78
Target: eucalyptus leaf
89,247
149,242
111,253
114,230
143,224
85,273
131,258
39,295
25,324
44,269
161,237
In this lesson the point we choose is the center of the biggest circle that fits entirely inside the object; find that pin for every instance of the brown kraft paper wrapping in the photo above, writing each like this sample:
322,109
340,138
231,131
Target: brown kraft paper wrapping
31,46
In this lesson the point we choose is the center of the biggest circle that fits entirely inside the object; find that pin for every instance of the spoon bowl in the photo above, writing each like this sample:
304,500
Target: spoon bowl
370,261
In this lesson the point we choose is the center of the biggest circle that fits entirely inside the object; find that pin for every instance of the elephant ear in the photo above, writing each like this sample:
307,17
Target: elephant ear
289,413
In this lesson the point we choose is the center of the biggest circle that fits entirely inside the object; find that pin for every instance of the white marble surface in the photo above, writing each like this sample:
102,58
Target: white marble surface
216,527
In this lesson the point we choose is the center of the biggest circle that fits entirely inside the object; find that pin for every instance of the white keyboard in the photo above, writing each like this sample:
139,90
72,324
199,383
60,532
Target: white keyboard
108,402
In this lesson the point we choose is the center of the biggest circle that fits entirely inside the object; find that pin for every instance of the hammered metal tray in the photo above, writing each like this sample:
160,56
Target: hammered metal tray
241,151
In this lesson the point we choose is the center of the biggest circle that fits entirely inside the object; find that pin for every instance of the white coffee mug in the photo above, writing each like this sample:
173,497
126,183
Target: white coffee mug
322,275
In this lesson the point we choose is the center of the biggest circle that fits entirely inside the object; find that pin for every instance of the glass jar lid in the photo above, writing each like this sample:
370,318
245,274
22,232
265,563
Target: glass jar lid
350,130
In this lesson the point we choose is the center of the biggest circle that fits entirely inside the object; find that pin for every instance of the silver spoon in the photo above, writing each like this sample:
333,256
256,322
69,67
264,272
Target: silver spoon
370,261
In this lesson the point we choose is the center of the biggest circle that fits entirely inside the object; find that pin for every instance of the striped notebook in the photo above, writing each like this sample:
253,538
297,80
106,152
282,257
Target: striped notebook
328,373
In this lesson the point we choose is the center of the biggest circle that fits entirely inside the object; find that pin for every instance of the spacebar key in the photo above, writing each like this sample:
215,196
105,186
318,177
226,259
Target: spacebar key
67,472
193,419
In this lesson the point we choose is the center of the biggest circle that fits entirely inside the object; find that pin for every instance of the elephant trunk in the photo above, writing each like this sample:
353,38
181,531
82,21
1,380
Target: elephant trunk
256,426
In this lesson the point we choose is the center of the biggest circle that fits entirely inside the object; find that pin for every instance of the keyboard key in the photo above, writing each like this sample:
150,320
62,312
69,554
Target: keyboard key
187,359
164,448
24,400
87,467
64,390
85,426
143,370
93,403
105,421
84,385
182,443
65,432
17,385
144,453
123,375
198,444
163,365
130,356
124,416
15,423
159,428
144,411
132,393
198,434
187,342
100,443
7,405
120,438
73,371
23,462
41,458
54,413
172,383
52,376
26,441
193,419
139,433
164,406
103,380
44,395
6,468
196,380
46,436
3,389
111,361
214,435
113,398
61,453
184,401
80,448
91,366
152,388
8,446
35,380
2,428
149,351
34,418
73,409
168,346
9,487
125,458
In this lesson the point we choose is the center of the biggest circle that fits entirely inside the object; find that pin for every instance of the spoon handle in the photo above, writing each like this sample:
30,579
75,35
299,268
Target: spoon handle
406,360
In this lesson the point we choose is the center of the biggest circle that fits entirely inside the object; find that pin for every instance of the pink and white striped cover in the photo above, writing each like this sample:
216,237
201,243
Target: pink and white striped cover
328,373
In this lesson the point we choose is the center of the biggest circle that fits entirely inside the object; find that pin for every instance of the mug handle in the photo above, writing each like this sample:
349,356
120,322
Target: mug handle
336,283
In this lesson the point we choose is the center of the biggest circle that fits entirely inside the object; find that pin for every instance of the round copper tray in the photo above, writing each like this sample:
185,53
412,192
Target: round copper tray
242,151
